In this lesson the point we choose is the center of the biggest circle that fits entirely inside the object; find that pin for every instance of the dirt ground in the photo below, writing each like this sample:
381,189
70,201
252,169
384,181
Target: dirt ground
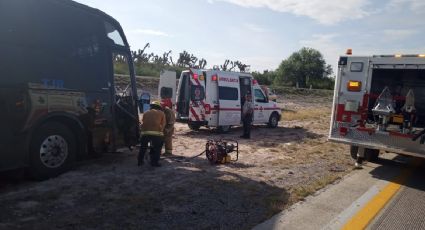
276,168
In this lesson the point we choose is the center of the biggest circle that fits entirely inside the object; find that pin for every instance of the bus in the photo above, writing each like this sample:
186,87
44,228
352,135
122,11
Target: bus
67,86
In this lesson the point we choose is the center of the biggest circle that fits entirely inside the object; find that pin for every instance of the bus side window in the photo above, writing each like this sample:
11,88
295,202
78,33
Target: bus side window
113,34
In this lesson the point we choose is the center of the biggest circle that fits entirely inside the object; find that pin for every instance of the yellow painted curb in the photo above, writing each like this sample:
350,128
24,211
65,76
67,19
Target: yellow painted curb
362,219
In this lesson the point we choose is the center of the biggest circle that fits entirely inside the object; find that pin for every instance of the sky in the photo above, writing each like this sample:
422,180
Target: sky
262,33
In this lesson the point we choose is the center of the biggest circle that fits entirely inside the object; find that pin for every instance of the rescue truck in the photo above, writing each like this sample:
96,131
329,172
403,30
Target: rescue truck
214,98
378,105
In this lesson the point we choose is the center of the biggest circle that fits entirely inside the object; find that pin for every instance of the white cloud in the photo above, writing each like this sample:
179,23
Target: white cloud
417,6
398,34
255,28
327,12
149,32
327,46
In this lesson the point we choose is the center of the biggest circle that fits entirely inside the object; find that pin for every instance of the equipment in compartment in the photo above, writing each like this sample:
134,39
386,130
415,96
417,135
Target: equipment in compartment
384,109
388,112
409,112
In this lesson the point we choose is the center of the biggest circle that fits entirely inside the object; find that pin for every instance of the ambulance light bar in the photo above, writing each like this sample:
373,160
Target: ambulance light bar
400,55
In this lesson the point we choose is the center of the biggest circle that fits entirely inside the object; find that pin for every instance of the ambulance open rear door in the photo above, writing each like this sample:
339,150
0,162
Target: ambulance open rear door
167,86
229,101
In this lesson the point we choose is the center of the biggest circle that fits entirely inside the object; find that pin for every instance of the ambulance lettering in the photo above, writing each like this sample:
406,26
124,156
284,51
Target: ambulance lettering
226,79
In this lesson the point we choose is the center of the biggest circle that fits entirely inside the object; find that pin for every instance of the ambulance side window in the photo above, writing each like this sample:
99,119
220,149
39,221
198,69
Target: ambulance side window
197,93
228,93
259,96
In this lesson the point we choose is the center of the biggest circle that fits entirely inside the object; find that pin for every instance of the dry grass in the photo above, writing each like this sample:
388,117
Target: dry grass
305,114
299,193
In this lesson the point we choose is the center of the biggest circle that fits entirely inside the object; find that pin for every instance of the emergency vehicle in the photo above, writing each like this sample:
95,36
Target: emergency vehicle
215,98
378,105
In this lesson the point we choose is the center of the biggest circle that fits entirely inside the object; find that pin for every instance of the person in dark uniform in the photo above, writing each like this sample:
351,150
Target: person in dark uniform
247,115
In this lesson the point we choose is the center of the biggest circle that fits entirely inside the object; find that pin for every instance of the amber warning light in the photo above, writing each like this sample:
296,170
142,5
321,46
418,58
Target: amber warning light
349,52
354,86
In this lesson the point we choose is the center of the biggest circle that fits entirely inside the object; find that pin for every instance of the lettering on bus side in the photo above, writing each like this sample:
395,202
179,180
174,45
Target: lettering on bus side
226,79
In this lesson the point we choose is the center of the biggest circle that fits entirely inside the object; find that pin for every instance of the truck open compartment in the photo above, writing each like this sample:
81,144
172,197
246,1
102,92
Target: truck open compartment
399,82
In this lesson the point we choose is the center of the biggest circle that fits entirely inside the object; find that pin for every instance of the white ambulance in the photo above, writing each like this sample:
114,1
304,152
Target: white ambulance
378,105
214,98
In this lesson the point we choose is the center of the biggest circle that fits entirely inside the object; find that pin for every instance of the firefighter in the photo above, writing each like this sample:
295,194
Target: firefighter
153,123
247,115
170,119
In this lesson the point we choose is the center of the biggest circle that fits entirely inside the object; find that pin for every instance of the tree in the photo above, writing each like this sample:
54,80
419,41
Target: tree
187,60
303,68
265,78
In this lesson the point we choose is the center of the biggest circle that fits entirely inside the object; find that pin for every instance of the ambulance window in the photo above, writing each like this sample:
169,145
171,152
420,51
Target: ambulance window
228,93
197,93
259,96
166,92
356,67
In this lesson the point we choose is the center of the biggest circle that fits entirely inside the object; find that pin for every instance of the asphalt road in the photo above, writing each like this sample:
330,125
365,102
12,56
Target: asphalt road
388,194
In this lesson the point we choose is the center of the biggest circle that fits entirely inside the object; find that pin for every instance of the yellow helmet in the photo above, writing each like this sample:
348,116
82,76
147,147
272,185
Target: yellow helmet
156,105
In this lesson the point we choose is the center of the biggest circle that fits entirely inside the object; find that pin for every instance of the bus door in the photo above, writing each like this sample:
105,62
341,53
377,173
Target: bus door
125,114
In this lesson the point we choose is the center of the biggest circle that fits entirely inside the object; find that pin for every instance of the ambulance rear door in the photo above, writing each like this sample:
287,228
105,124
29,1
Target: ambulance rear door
197,97
167,85
229,99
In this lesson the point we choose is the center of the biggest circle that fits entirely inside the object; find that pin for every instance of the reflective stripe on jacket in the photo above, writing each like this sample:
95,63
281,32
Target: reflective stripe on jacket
152,133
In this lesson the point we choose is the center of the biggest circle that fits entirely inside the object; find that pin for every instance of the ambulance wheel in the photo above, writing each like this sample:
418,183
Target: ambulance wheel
194,127
273,120
53,151
224,128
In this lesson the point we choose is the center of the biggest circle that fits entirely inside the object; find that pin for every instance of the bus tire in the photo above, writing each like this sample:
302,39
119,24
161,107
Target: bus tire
372,155
224,128
353,151
194,127
273,120
53,151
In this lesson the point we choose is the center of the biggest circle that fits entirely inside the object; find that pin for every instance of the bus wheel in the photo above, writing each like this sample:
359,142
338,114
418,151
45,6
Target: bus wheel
273,120
372,155
52,151
353,151
224,128
194,127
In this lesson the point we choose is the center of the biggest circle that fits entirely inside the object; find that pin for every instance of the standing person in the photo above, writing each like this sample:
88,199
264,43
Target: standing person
170,119
153,123
247,115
